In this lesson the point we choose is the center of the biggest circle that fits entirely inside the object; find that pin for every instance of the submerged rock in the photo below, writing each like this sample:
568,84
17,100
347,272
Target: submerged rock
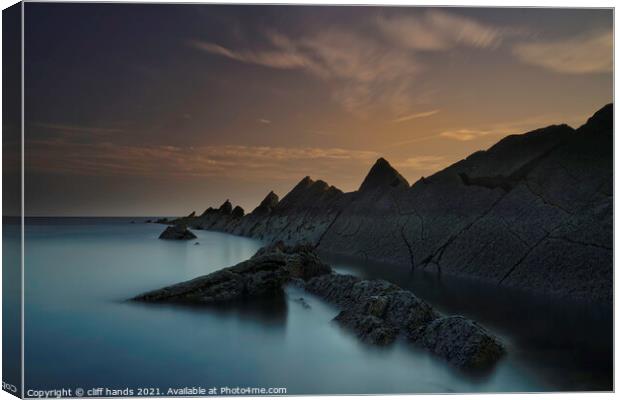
177,232
303,302
376,311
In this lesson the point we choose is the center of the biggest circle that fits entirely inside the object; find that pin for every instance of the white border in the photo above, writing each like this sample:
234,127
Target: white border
448,3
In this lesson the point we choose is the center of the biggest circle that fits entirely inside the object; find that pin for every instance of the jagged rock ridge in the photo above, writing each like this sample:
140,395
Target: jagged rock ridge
375,310
532,212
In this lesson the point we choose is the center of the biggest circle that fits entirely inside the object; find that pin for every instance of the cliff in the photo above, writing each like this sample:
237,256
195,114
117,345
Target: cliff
533,212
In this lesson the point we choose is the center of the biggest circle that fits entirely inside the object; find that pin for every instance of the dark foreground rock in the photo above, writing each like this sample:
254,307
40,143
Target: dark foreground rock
376,311
263,274
459,340
177,232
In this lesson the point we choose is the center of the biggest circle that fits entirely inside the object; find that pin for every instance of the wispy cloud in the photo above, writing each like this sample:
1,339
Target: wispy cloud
591,53
423,163
68,128
222,161
369,68
465,135
415,116
264,121
437,30
505,128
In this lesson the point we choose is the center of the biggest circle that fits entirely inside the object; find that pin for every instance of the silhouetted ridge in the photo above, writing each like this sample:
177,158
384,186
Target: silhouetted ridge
309,194
267,205
382,174
601,122
226,207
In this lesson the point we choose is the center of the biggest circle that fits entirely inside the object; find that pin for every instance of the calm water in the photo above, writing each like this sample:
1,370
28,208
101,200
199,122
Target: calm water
81,333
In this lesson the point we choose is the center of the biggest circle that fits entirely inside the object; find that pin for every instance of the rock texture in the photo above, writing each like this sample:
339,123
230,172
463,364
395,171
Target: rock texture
533,212
376,311
177,232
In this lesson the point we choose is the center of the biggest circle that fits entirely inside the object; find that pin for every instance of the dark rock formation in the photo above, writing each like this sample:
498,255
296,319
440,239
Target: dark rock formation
238,212
267,205
376,311
533,212
382,176
265,273
192,215
177,232
226,208
161,221
459,340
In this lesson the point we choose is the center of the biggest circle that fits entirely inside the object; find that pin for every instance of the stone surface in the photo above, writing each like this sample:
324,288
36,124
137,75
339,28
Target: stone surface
265,273
462,342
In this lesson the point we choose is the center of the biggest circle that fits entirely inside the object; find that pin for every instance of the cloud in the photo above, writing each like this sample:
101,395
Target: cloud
438,30
368,68
464,135
586,54
264,121
505,128
415,116
274,59
423,163
68,157
70,129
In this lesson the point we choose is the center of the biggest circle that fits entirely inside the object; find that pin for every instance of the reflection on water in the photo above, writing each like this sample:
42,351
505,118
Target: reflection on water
80,331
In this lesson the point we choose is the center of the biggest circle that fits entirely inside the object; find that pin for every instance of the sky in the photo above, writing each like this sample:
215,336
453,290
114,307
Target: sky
144,110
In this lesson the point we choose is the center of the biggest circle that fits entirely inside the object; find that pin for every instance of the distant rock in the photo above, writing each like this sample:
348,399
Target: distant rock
226,208
177,232
238,212
209,211
382,176
267,205
161,221
192,215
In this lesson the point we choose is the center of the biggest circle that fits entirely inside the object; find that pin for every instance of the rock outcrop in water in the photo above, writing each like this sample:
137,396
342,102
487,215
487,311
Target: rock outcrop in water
532,212
375,310
177,232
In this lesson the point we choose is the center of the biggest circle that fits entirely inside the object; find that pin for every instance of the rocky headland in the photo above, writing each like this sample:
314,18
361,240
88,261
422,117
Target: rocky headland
532,212
376,311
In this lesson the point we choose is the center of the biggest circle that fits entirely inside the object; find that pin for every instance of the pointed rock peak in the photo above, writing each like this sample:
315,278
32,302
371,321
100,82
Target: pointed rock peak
192,215
267,205
303,184
238,212
382,174
271,200
307,181
209,210
226,207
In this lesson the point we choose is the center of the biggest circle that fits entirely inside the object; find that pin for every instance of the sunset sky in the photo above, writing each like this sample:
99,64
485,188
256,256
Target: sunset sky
164,109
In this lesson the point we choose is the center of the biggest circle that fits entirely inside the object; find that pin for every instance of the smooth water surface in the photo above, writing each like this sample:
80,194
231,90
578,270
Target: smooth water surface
80,331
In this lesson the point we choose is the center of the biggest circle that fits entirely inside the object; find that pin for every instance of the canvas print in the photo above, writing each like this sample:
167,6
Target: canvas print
306,200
